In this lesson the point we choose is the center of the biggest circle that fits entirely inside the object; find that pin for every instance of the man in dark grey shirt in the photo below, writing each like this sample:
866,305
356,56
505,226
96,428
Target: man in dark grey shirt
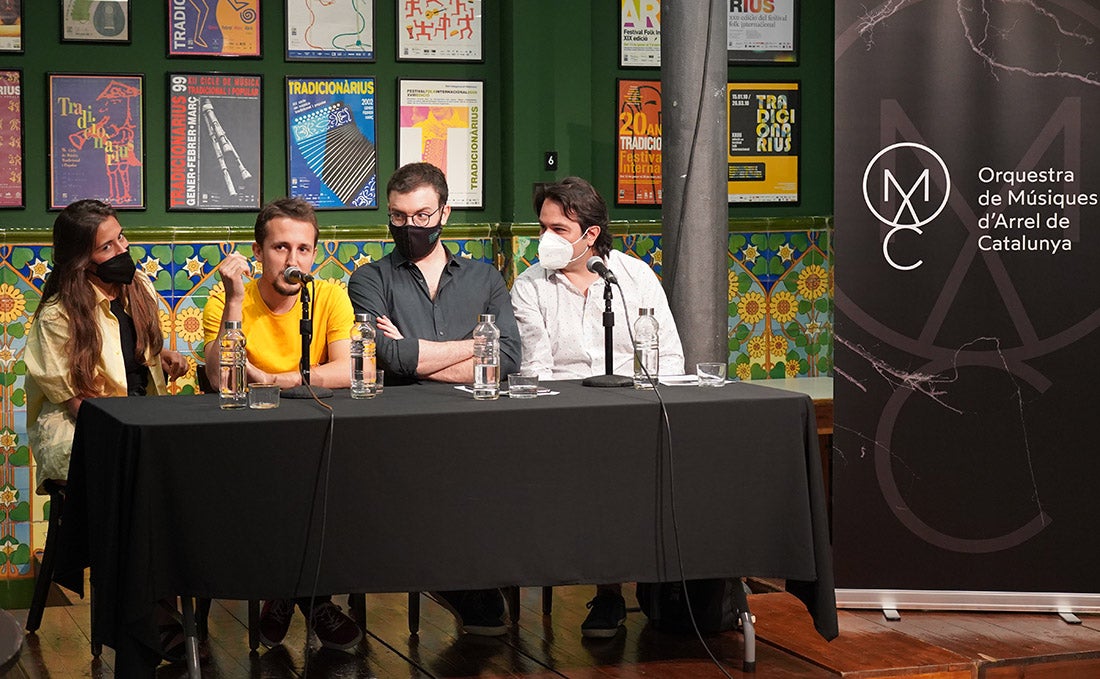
427,300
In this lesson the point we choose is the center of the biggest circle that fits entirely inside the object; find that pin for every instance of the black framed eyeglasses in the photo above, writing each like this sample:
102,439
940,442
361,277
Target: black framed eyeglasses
419,219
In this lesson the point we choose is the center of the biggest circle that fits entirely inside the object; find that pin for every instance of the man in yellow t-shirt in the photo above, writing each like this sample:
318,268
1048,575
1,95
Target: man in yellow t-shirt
269,309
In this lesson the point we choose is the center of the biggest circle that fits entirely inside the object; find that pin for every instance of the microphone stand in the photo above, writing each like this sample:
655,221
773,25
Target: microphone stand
306,328
609,378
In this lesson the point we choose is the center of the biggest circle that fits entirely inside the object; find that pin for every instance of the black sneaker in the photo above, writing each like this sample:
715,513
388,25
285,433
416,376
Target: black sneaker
480,612
608,612
275,621
333,628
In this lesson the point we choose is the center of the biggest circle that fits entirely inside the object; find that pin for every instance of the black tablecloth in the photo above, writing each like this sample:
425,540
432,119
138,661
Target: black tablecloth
424,488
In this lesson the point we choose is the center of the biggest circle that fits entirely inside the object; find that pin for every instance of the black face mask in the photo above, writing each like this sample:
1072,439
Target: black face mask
118,269
415,242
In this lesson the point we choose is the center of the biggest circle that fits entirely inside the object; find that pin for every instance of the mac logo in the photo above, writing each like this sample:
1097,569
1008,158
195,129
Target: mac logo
908,198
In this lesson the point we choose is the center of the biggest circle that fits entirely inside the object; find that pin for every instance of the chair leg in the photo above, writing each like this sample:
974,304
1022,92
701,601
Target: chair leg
44,578
414,613
357,607
547,600
202,615
511,596
187,604
97,648
253,625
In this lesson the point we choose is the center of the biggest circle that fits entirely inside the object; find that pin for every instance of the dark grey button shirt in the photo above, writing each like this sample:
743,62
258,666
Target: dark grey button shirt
394,287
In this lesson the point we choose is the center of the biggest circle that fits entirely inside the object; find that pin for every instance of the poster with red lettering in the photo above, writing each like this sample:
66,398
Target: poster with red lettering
762,31
97,141
214,149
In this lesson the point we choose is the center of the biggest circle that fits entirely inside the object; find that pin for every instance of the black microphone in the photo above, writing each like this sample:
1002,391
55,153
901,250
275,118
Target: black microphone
293,274
596,265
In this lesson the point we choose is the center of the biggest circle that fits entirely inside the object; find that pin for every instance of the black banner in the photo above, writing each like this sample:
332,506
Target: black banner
967,298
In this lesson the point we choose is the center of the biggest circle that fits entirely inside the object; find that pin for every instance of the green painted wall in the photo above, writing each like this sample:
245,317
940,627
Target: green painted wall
550,70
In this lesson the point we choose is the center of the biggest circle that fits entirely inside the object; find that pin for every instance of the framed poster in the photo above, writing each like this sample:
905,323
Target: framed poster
214,141
11,26
214,28
443,123
11,139
638,152
95,21
640,33
97,146
764,141
442,30
330,142
334,30
763,32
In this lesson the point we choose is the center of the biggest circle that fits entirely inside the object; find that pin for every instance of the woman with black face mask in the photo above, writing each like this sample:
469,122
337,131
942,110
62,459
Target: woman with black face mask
96,333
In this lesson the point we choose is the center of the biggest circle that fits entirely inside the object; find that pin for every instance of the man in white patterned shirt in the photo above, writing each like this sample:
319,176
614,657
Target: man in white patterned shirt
559,307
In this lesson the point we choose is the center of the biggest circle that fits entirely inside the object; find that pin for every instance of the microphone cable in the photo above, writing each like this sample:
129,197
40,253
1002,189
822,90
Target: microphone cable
322,483
653,379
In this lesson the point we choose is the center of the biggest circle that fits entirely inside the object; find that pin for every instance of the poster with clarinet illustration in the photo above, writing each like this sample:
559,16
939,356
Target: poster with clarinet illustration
97,145
214,149
331,135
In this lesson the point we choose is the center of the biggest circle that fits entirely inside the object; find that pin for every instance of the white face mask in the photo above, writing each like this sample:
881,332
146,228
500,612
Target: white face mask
556,253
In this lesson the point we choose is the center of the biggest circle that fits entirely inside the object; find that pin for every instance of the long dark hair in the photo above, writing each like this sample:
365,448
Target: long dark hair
74,233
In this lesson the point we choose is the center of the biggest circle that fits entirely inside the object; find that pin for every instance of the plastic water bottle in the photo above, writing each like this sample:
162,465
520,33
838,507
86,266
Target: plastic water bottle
647,350
363,383
486,358
232,360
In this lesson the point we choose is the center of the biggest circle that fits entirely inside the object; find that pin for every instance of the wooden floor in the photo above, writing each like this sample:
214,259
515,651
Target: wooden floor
922,644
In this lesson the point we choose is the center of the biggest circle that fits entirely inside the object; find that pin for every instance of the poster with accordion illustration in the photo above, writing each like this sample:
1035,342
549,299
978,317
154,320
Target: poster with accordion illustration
97,145
214,128
332,160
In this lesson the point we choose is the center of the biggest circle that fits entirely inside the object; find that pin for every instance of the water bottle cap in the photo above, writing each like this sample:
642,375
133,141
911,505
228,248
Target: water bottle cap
645,311
362,318
486,318
232,325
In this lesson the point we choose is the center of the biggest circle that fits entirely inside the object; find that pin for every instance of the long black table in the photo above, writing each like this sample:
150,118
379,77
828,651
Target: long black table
424,488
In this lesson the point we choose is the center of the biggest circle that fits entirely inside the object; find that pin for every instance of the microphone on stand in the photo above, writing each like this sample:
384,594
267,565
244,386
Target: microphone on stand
596,266
293,274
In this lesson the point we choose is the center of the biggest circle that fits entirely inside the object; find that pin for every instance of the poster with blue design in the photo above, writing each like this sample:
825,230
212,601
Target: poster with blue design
330,30
331,135
96,139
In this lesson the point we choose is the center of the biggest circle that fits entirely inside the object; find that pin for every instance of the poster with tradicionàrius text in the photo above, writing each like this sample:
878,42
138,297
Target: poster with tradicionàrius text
439,30
214,130
331,139
762,31
638,157
442,123
96,139
640,33
333,30
764,140
214,28
11,139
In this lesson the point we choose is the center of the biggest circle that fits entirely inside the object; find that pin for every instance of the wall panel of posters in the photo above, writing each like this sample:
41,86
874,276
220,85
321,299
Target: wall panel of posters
100,21
638,156
448,30
11,139
11,26
214,128
762,31
337,30
443,123
332,132
97,143
640,33
764,141
214,28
